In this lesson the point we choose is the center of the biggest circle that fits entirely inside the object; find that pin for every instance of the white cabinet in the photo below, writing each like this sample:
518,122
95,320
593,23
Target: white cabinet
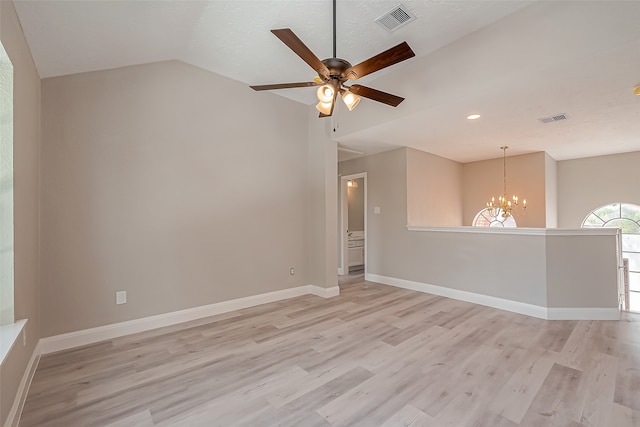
356,256
356,248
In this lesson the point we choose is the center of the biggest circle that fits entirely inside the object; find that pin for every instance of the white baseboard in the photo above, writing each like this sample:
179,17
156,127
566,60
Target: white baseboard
501,303
101,333
324,292
592,313
340,271
13,419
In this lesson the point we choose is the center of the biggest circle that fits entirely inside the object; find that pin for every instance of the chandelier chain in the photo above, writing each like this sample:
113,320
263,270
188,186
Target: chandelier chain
504,168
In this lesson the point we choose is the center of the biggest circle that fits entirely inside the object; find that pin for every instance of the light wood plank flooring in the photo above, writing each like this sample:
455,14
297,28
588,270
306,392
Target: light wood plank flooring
353,277
374,356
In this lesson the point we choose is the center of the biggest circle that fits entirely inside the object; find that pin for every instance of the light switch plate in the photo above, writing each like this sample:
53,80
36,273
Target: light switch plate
121,297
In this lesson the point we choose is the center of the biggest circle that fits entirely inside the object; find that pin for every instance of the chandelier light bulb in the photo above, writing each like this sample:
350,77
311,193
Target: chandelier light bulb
325,93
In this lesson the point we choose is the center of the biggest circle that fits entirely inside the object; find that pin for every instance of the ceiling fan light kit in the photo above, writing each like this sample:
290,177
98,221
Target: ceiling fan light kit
325,93
324,107
351,100
334,72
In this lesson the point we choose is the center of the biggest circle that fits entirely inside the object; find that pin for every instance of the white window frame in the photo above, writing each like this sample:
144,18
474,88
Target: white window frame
494,221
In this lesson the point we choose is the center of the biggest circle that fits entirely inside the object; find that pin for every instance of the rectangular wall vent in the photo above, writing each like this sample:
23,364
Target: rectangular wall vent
554,118
396,18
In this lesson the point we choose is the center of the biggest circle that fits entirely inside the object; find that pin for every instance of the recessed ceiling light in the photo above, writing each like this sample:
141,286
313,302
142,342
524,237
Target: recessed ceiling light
637,90
473,116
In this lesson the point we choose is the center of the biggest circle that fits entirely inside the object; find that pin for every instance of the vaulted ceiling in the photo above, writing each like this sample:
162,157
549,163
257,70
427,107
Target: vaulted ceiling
513,62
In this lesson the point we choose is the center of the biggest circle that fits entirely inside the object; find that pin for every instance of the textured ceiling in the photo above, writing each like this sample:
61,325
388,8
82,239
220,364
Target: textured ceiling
511,61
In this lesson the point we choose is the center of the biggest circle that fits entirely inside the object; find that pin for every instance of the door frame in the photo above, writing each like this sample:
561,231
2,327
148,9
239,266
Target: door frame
343,267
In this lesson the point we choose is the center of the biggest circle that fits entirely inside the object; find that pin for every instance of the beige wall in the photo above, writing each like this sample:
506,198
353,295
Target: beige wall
582,271
551,190
434,190
177,185
26,205
525,178
586,184
463,261
557,271
323,202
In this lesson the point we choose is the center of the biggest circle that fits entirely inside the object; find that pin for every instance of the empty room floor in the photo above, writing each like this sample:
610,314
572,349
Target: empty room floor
374,356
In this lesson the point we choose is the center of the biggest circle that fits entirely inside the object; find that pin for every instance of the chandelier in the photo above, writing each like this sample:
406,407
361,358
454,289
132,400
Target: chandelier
504,205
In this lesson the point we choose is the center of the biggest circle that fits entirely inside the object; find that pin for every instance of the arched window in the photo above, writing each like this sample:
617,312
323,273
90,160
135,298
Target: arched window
625,216
485,219
616,215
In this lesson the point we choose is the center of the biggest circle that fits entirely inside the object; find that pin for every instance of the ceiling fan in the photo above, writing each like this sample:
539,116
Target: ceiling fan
333,73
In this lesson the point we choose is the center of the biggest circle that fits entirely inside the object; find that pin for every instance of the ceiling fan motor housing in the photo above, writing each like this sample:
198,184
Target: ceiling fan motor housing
337,68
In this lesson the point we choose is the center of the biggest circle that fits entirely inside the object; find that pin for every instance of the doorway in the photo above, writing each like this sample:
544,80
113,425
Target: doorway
353,227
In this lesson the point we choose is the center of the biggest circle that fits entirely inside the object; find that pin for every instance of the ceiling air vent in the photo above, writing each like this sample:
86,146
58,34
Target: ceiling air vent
554,118
396,18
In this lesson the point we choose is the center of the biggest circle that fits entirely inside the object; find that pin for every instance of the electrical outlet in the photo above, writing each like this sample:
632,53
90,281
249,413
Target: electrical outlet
292,271
121,297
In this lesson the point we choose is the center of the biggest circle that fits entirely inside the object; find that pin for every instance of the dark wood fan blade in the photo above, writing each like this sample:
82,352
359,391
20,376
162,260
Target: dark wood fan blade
284,86
376,95
382,60
295,44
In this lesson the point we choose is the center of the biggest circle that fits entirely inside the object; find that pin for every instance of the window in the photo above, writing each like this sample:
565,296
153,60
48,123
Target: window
616,215
485,219
6,189
625,216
